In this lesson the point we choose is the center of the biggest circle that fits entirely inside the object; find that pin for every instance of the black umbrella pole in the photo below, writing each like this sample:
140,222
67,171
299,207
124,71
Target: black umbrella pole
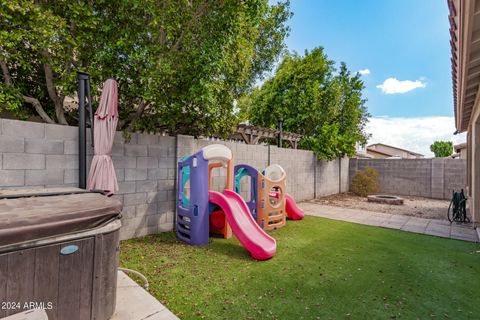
90,109
82,132
280,132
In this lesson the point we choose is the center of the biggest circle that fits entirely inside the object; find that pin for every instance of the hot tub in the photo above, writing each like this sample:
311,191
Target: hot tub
59,252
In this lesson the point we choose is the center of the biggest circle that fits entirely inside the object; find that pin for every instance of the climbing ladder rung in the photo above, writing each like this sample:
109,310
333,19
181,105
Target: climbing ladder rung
182,229
275,224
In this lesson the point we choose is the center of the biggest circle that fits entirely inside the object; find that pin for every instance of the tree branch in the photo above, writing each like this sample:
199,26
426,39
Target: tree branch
68,64
134,115
163,33
201,11
163,36
34,102
38,107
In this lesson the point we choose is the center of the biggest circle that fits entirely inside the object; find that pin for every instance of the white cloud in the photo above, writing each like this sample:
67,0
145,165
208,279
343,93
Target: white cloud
364,72
392,85
415,134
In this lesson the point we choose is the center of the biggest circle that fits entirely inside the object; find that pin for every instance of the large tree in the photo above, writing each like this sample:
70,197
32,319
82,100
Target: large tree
442,149
180,64
315,99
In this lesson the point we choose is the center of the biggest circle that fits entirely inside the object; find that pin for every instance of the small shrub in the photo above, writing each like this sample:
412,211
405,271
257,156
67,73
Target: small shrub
365,182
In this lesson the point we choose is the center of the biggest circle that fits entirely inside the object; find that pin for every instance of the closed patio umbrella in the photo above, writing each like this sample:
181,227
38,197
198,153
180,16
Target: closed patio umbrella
102,173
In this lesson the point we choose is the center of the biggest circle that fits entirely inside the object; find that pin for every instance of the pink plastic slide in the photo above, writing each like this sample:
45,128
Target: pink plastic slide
260,245
294,212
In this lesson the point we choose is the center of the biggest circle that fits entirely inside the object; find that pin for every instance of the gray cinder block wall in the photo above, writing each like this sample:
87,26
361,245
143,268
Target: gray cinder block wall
332,176
300,168
454,176
46,155
431,178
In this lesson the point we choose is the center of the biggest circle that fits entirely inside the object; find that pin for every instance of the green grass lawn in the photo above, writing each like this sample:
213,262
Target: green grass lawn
323,269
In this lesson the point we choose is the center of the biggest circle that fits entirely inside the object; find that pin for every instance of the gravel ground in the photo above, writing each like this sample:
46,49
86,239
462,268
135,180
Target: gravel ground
413,206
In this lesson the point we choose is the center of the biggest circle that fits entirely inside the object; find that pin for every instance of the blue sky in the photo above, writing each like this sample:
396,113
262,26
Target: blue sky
407,40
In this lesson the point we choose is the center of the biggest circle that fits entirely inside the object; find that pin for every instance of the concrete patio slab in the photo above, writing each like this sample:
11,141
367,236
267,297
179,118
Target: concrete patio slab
374,221
462,233
464,238
442,222
417,225
439,232
395,222
349,218
440,228
135,303
35,314
414,228
419,221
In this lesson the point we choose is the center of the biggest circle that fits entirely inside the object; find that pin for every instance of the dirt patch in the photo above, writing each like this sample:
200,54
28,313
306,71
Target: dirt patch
413,206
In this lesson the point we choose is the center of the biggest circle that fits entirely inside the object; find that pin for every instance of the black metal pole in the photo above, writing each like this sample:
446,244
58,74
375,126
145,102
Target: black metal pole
280,129
90,108
82,131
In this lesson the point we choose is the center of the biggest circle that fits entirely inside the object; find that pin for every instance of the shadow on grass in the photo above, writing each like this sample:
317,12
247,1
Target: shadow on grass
230,248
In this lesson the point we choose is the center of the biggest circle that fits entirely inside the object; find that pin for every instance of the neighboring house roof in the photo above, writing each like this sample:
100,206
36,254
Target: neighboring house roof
460,146
364,155
372,148
379,152
464,19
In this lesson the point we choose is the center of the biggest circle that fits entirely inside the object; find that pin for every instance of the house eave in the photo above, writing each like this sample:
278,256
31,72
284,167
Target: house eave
464,17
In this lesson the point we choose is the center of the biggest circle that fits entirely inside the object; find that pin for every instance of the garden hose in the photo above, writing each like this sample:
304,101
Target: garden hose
141,276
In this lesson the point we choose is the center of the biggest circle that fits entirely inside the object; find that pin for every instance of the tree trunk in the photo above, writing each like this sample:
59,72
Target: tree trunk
57,99
6,74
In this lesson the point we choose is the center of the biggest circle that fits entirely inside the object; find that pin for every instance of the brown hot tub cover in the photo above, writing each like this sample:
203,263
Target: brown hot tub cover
29,217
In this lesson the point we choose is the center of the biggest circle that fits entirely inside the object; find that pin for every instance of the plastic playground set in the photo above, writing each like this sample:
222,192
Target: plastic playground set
203,212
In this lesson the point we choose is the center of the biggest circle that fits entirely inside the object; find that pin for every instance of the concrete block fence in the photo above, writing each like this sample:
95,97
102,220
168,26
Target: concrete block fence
46,155
430,178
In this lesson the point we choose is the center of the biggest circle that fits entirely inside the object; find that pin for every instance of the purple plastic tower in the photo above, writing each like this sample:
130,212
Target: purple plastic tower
192,221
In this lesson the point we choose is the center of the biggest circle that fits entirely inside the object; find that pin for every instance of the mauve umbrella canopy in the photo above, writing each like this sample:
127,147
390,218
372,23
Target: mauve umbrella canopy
102,173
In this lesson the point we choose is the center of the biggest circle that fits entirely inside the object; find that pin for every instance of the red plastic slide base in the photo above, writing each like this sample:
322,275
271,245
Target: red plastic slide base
294,212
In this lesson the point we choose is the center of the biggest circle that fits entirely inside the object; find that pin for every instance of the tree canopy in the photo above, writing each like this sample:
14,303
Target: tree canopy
442,149
180,64
315,99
